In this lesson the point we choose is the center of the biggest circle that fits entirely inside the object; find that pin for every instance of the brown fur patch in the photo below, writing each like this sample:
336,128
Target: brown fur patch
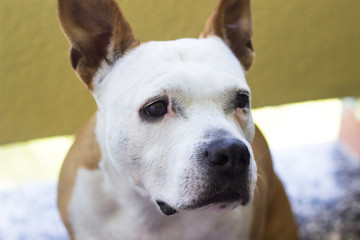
97,32
272,217
232,22
84,153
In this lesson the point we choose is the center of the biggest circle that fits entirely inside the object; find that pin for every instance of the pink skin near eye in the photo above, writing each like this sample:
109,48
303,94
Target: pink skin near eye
241,115
170,112
241,111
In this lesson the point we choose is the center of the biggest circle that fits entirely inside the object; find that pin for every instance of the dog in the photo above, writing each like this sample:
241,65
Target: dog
172,152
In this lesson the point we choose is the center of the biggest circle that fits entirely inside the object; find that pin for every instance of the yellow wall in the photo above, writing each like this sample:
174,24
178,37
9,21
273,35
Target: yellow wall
307,49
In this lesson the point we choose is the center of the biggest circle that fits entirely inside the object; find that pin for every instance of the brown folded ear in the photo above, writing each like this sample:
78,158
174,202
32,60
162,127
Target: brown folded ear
232,22
98,34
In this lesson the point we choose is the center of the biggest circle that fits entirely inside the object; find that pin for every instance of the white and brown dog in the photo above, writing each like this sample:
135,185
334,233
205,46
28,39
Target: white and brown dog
173,134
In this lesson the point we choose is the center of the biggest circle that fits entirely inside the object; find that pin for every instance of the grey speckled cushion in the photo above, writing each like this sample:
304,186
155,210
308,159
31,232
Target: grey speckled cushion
324,188
322,182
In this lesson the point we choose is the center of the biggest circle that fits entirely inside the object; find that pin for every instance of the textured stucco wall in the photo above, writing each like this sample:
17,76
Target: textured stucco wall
305,50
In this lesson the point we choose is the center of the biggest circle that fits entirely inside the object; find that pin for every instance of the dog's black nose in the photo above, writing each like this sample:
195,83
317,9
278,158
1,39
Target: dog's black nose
228,153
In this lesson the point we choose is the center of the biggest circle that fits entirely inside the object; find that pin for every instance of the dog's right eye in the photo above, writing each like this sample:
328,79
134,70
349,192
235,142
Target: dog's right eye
242,101
156,109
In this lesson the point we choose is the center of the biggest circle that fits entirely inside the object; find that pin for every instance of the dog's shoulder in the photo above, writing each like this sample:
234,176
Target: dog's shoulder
272,217
262,153
85,153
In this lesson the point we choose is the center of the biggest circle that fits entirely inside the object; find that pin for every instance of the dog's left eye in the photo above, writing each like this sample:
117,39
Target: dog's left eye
242,101
156,109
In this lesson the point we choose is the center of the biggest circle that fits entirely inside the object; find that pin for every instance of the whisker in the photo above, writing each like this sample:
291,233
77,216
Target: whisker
262,155
263,179
260,171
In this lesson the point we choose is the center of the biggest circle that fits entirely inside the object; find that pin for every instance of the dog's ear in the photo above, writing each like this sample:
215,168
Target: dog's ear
232,22
98,33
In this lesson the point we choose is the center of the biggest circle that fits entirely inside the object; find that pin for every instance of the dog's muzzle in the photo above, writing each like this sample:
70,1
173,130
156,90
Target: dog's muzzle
226,163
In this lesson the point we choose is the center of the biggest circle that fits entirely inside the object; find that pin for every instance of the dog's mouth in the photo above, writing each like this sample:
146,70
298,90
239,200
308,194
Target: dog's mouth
222,200
165,208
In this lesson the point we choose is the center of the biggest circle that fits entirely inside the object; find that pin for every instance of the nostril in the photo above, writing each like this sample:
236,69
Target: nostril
223,159
220,160
244,160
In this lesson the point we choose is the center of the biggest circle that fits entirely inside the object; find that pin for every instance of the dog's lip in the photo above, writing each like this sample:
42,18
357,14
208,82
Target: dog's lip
222,199
166,208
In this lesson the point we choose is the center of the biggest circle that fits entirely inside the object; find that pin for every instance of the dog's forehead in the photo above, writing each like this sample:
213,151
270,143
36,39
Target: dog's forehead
185,64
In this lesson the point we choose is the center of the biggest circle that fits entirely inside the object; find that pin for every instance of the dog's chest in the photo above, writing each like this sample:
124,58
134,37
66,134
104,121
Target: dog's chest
95,214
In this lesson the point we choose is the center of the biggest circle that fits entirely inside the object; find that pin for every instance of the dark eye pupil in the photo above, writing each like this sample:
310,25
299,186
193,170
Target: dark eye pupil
156,109
242,101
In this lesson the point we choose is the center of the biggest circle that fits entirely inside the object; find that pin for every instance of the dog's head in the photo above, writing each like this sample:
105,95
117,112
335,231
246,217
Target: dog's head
175,115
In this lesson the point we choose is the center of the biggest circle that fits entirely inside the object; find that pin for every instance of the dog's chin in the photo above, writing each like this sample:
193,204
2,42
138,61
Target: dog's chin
222,200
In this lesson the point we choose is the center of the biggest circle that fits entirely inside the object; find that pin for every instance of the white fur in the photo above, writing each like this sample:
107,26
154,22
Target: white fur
100,216
145,162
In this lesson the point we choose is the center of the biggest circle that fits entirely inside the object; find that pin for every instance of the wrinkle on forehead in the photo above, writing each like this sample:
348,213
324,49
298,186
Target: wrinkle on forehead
191,67
194,82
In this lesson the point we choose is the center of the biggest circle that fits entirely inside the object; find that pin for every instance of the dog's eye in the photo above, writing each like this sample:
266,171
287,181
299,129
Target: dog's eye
242,101
156,109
